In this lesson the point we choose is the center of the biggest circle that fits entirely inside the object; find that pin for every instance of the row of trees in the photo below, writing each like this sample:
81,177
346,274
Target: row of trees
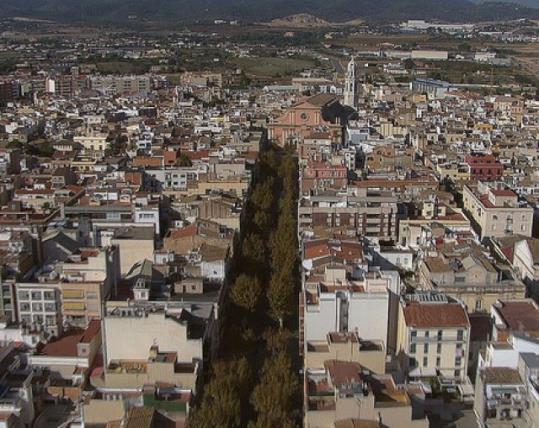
254,379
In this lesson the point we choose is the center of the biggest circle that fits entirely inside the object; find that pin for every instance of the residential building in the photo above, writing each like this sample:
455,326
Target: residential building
433,337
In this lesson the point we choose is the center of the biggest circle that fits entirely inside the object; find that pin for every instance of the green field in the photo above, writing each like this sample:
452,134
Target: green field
272,67
123,67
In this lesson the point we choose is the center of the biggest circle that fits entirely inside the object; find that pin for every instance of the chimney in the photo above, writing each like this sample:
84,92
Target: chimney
154,350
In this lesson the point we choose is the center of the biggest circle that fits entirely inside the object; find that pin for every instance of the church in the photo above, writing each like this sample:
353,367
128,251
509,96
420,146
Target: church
321,112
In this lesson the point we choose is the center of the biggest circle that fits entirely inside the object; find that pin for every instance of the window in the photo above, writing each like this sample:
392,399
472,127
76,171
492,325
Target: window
412,348
413,333
439,348
24,295
457,373
36,295
413,362
438,361
426,348
425,361
440,334
25,307
48,295
478,305
37,307
458,361
460,334
50,307
427,334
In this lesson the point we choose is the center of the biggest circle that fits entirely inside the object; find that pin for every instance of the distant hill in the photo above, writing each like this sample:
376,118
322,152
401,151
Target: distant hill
265,10
527,3
300,20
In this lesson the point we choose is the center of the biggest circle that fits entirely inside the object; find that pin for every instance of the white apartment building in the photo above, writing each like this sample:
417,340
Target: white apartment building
335,304
433,336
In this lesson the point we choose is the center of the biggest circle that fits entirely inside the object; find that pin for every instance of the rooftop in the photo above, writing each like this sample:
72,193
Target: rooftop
430,315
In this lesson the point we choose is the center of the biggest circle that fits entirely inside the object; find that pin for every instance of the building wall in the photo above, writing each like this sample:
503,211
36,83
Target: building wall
494,221
169,335
368,313
372,360
133,251
322,320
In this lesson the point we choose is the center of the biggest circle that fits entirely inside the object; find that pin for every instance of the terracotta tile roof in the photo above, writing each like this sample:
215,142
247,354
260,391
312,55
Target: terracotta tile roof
201,154
94,328
432,315
343,372
503,192
519,315
316,249
190,230
65,346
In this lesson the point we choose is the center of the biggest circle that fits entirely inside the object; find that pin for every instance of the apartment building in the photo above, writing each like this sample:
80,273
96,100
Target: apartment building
91,215
120,85
418,231
170,332
134,244
523,255
496,212
17,379
500,397
528,368
161,348
466,273
319,176
433,336
366,213
333,303
69,359
371,354
484,167
94,142
39,307
344,393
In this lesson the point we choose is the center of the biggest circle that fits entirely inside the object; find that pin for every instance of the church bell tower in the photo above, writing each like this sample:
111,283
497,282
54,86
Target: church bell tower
350,85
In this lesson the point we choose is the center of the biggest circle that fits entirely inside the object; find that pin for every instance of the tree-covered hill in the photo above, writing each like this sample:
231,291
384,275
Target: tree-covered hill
263,10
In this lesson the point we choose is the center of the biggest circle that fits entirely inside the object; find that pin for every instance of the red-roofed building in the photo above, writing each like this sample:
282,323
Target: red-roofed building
433,336
69,359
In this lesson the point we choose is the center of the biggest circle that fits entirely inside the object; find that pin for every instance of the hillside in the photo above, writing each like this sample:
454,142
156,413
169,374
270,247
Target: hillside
263,10
300,20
